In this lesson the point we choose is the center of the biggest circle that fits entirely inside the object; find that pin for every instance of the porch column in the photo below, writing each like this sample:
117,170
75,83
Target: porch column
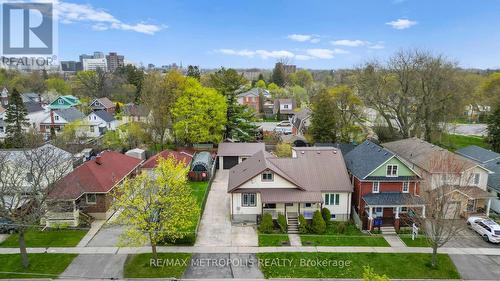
397,213
396,219
423,211
488,207
370,218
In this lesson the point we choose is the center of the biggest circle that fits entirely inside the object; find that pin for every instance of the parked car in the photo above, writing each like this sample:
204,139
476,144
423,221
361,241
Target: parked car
283,127
488,229
6,226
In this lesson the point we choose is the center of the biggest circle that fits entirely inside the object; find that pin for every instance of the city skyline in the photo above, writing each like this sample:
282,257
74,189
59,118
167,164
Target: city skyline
320,35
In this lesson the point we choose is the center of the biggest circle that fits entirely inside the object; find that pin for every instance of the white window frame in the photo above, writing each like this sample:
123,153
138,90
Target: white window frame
248,196
328,199
267,173
377,184
407,185
56,117
478,177
87,198
391,174
60,101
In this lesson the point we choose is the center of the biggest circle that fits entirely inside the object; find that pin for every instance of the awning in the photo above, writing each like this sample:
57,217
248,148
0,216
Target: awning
282,195
392,199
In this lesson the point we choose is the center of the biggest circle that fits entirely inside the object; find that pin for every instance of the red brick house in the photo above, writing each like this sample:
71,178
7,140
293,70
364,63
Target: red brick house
384,187
88,188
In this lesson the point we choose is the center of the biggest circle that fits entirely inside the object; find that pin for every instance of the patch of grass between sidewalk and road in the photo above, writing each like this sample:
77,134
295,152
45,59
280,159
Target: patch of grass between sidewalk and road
168,265
343,240
420,241
273,240
47,238
350,265
47,266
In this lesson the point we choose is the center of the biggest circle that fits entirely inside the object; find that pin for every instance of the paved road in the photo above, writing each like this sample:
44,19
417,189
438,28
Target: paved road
267,126
215,226
221,266
477,267
96,266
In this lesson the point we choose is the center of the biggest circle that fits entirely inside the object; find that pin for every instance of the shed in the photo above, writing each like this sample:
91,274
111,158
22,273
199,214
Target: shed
201,166
231,154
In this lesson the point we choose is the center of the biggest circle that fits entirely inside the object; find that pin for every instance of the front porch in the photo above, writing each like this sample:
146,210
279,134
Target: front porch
472,201
391,209
292,210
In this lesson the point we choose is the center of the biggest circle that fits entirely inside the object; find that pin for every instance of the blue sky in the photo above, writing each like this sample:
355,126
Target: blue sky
313,34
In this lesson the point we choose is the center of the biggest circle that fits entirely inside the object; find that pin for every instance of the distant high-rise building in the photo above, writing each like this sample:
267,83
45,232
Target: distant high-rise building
98,55
70,66
114,61
94,64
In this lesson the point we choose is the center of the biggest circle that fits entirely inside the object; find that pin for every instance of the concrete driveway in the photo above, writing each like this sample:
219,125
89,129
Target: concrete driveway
107,236
215,227
477,267
468,238
95,267
220,266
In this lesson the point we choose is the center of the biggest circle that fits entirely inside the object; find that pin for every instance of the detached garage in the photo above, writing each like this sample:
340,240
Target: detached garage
231,154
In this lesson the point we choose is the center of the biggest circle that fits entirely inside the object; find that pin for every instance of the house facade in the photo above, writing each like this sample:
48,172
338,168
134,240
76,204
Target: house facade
284,107
440,168
103,104
312,179
99,122
60,118
385,188
491,161
64,102
87,190
252,98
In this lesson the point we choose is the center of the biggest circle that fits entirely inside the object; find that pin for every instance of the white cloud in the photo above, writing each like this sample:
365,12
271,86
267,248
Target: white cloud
349,43
304,38
401,23
377,46
264,54
303,57
101,20
325,53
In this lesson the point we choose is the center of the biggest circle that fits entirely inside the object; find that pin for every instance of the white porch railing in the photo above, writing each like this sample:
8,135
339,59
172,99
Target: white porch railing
54,219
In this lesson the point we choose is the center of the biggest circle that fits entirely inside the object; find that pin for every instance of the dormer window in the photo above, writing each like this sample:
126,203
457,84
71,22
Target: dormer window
392,170
60,101
267,176
56,118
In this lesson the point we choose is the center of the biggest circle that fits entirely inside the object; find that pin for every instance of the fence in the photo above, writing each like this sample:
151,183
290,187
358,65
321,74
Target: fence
357,220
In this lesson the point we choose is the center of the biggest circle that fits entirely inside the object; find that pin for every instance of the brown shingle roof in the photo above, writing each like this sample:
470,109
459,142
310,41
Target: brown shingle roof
239,148
107,103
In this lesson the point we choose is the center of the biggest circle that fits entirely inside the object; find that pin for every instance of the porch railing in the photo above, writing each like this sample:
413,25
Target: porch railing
274,212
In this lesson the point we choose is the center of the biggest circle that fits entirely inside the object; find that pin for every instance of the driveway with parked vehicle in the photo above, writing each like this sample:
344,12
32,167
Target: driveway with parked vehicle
486,228
468,238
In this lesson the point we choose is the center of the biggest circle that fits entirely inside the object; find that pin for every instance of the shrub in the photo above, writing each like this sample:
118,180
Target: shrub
266,225
341,227
370,275
318,225
327,216
302,225
282,223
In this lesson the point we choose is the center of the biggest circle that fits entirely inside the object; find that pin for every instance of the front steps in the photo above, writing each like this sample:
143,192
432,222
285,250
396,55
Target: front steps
293,225
388,230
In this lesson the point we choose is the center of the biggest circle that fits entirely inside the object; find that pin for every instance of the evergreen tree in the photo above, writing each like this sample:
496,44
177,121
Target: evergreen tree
15,117
324,123
279,75
494,129
261,77
194,71
118,109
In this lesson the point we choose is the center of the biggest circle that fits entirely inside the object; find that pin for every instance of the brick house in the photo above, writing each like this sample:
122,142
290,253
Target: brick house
384,186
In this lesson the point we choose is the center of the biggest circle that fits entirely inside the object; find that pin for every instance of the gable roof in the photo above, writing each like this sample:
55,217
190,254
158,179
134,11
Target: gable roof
478,154
422,153
30,97
239,148
69,114
105,102
494,178
311,170
365,158
69,100
92,177
180,156
33,107
104,115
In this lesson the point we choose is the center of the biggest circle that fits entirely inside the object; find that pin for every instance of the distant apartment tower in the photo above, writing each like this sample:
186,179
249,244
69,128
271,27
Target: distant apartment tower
98,55
114,61
69,66
94,64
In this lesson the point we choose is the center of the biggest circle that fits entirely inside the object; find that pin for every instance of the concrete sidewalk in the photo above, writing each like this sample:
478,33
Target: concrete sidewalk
94,228
251,250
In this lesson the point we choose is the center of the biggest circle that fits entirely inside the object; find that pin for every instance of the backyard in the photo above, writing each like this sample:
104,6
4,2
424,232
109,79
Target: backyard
350,265
454,142
47,238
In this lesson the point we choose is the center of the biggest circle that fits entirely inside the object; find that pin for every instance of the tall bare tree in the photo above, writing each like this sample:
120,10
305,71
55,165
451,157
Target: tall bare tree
26,176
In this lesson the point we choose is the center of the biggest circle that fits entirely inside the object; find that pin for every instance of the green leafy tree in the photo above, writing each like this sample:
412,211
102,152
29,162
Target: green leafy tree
327,216
59,85
279,75
349,112
194,72
324,124
494,129
133,76
16,120
318,225
159,207
266,224
199,114
261,84
240,119
261,77
283,149
302,78
491,88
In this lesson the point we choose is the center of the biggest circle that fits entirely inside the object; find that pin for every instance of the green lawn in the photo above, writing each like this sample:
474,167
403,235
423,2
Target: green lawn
350,265
271,240
199,188
454,142
420,241
343,240
168,265
41,265
47,238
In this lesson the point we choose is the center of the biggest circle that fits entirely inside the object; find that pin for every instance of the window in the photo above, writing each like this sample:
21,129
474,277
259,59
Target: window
378,210
60,101
91,198
248,200
285,106
444,179
332,216
476,178
404,209
56,118
392,170
332,199
308,205
376,187
269,206
267,176
91,129
406,187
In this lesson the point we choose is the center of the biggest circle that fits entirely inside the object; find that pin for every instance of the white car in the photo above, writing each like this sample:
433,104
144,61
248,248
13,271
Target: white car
488,229
283,127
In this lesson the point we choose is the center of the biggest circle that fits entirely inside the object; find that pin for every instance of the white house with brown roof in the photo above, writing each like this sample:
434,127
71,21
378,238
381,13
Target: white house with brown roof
315,177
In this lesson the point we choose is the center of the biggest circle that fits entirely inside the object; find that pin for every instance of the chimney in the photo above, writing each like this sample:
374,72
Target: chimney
98,160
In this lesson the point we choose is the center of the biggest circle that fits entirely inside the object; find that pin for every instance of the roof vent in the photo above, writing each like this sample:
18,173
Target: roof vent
318,152
302,152
334,151
98,160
